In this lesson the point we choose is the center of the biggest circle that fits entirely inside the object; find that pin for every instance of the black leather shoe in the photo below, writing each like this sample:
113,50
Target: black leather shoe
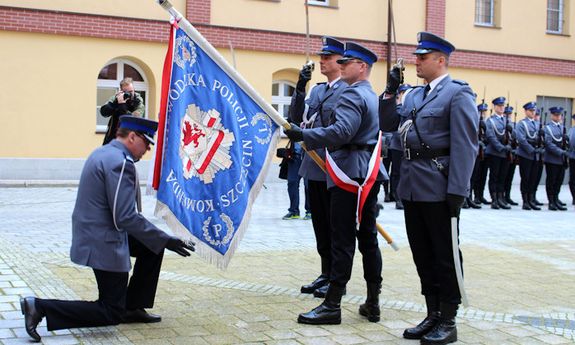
322,291
445,332
32,316
537,202
424,326
485,201
327,313
370,309
140,316
472,204
510,201
322,280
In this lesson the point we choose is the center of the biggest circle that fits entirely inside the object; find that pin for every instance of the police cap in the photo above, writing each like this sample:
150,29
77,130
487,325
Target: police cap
143,126
403,88
556,110
498,101
428,42
508,110
357,51
482,107
331,46
530,106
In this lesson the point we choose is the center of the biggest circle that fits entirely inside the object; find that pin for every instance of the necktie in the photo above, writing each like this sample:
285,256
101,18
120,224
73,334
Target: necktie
426,91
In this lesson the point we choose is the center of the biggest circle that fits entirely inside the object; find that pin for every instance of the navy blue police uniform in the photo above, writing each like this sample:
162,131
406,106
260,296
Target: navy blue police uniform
554,159
529,151
480,169
440,142
508,182
316,111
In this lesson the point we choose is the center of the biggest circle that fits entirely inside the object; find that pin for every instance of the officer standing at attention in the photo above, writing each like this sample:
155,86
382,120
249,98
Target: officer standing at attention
554,159
572,162
497,154
508,182
438,124
352,139
396,151
529,151
108,228
481,168
315,111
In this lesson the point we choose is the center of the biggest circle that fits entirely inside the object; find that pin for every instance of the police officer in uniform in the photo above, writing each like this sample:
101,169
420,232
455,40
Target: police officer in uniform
481,168
438,124
108,228
352,139
507,184
315,111
529,152
572,162
497,153
555,156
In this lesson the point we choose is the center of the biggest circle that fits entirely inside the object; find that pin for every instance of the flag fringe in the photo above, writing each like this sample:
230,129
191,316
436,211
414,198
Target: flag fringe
203,250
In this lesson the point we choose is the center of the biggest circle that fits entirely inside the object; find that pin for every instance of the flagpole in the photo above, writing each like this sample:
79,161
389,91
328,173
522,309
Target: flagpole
199,39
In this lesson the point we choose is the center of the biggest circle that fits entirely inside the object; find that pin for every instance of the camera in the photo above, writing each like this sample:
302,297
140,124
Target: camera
127,96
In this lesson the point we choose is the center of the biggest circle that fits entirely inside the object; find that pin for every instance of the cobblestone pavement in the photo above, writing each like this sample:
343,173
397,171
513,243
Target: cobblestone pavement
519,270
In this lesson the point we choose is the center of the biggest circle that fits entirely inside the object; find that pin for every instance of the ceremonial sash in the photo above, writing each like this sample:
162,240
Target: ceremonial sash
344,182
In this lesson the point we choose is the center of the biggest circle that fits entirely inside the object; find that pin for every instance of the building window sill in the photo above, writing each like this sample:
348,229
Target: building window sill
557,34
486,26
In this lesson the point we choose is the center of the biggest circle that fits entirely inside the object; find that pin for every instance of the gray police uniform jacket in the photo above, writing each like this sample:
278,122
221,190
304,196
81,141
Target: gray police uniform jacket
527,133
105,212
446,119
572,143
356,122
321,101
553,141
494,135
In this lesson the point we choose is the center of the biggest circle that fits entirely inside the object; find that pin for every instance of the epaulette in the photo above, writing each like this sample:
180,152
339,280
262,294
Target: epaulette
322,83
460,82
129,158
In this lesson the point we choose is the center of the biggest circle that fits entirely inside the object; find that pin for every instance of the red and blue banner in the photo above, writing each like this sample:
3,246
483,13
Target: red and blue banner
214,146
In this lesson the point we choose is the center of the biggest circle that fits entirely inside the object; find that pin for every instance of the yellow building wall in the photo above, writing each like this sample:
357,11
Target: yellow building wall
146,9
367,21
522,29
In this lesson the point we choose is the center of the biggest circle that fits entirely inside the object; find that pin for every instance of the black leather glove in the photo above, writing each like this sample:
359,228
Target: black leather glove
304,77
454,203
180,247
394,80
509,127
295,134
507,148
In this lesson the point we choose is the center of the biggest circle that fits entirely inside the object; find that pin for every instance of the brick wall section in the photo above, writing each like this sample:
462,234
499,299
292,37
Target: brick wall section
58,23
435,17
199,11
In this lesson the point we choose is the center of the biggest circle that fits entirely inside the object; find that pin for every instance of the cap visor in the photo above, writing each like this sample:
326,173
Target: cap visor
344,60
422,51
149,139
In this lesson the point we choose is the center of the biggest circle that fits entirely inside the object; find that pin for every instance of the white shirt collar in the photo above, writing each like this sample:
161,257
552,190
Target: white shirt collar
333,82
436,81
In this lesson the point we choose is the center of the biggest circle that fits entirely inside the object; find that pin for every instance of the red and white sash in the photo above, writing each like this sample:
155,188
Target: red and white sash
344,182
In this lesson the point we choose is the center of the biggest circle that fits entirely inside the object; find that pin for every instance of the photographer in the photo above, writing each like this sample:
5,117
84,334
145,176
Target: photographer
125,101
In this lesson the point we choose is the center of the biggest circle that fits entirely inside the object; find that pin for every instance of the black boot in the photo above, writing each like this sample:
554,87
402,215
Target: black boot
465,204
370,308
387,197
482,200
428,323
327,313
477,198
494,203
322,291
501,201
535,201
320,281
32,316
552,204
559,204
531,203
473,204
445,331
398,203
526,204
510,201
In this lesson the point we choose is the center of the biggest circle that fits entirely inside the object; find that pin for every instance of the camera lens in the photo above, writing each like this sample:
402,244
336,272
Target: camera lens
127,95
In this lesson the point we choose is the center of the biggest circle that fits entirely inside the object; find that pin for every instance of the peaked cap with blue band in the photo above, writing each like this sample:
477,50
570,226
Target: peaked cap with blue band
555,110
357,51
428,42
482,107
508,110
137,124
530,106
331,46
403,88
498,101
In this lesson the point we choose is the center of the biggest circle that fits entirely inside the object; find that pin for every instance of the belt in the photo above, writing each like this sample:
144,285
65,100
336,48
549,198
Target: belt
411,154
353,147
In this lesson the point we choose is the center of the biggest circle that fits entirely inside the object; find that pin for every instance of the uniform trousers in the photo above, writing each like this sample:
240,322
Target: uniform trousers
396,156
319,202
555,175
480,179
572,177
498,167
343,208
509,178
429,233
528,169
115,294
539,169
386,161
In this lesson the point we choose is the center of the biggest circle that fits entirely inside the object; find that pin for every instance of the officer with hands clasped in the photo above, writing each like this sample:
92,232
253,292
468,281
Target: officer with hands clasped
317,110
439,125
351,137
108,228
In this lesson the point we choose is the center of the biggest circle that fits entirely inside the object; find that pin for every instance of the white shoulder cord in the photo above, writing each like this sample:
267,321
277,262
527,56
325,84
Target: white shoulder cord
553,136
527,131
495,127
116,195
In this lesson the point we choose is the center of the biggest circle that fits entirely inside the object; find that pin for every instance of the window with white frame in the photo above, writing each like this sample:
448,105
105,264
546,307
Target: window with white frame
109,83
555,16
281,96
318,2
484,13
